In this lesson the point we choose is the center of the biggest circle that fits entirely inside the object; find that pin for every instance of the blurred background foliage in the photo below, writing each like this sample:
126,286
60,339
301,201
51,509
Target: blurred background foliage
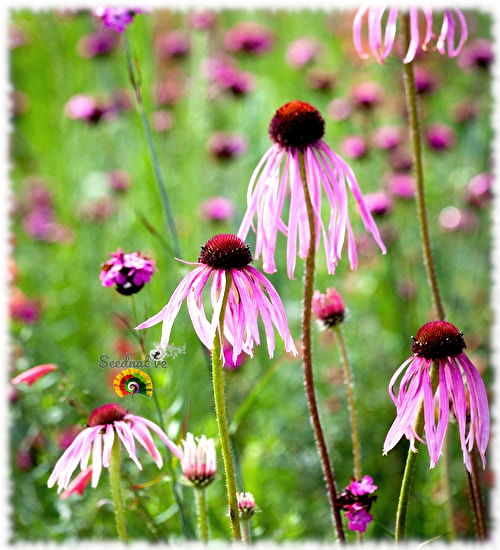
61,314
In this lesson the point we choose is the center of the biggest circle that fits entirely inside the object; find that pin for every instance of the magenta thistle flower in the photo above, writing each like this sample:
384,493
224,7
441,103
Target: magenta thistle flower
104,424
225,258
381,38
117,19
30,376
442,343
297,128
199,461
129,272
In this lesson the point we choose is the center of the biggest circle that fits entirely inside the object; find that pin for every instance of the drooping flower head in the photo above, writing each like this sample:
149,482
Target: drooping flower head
356,500
296,129
129,272
382,32
225,258
459,387
199,462
104,424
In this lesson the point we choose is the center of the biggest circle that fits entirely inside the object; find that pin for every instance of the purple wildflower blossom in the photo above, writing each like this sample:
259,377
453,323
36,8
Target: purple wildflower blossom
246,505
104,424
381,40
329,307
441,343
358,518
129,272
225,258
356,500
297,129
117,19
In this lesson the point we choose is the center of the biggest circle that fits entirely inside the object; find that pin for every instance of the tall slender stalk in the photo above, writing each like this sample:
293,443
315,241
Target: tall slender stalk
116,490
221,415
201,506
307,362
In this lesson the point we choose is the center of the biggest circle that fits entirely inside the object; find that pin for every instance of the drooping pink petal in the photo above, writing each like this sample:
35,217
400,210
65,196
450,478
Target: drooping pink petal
357,27
32,375
96,460
78,484
161,434
109,437
414,36
125,434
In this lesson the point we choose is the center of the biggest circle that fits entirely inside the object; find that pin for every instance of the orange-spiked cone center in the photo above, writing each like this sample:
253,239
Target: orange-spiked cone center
225,251
107,414
296,124
437,340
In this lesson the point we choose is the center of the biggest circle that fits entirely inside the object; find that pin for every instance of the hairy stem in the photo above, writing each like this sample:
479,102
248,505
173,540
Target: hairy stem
221,415
201,506
116,490
307,362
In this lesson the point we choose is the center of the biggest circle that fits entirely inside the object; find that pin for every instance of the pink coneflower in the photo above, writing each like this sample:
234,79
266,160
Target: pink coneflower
381,38
441,343
367,95
23,309
199,461
387,137
226,259
297,129
401,186
117,19
104,424
175,44
354,147
478,54
86,108
479,190
378,203
129,272
97,44
32,375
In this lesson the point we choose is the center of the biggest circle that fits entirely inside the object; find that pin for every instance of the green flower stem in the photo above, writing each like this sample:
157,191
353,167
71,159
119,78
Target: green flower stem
477,499
116,490
154,157
416,141
307,362
245,531
221,415
411,461
201,506
349,383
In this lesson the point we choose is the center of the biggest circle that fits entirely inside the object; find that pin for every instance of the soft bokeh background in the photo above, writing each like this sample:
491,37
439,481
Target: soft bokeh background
69,213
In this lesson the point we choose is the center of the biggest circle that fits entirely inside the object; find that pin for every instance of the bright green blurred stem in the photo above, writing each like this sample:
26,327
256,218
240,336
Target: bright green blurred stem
349,384
415,137
116,490
221,415
154,157
245,531
307,361
201,507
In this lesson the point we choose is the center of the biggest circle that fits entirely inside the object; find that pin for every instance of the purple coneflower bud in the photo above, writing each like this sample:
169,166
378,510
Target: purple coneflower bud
367,95
478,54
246,505
84,107
173,45
387,137
401,186
354,147
99,43
479,190
378,203
199,463
328,308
